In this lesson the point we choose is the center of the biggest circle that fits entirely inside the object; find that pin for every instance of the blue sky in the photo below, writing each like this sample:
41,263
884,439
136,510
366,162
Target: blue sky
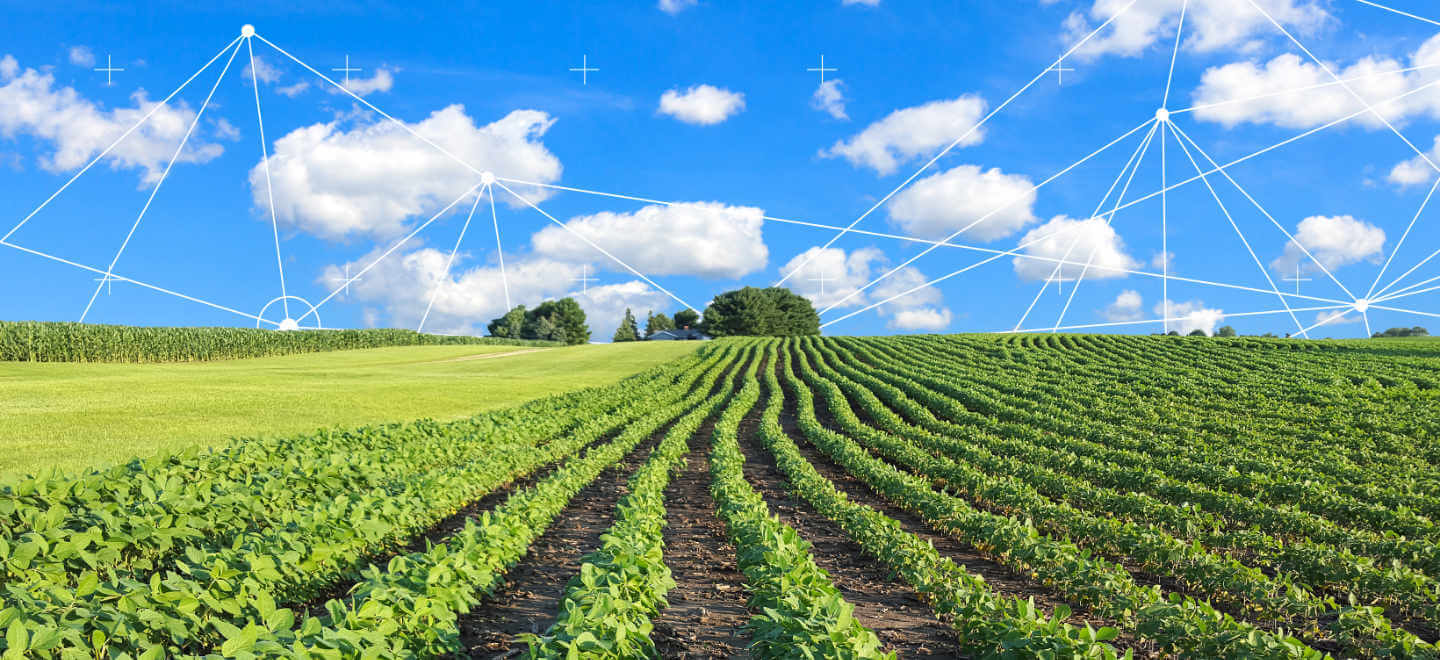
709,106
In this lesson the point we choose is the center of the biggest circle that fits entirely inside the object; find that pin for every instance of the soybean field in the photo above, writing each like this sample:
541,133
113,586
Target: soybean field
1057,496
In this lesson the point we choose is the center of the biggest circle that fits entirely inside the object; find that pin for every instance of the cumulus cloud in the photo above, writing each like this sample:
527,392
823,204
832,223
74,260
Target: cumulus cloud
844,273
1210,25
1094,241
76,129
370,179
1416,170
1335,241
939,205
82,56
1128,306
704,239
703,105
382,80
472,294
294,90
1187,317
1323,102
910,133
673,7
261,70
829,98
1336,317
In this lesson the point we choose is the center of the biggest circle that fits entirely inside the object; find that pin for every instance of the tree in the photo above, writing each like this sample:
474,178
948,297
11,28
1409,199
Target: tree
687,318
1173,333
629,330
510,326
775,312
557,320
1226,331
657,322
1197,332
1416,331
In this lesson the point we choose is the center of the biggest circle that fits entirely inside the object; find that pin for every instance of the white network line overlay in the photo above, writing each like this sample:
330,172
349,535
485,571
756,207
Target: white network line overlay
1160,126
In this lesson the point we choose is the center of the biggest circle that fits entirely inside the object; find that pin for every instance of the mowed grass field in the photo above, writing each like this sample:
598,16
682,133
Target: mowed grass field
82,415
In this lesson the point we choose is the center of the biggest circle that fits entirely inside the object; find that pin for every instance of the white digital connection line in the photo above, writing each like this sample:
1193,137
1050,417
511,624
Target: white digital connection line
162,103
344,285
1344,85
269,189
163,175
592,244
1075,288
122,278
1286,142
445,275
1396,250
1165,176
499,250
1318,264
1118,324
1226,211
960,139
1406,292
987,216
1397,11
1044,286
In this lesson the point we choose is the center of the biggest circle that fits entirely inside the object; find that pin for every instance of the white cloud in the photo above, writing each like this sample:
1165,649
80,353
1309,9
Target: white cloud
939,205
77,129
704,239
844,274
381,81
1335,241
863,3
1336,317
1187,317
829,98
702,104
673,7
82,56
369,180
225,130
1094,241
471,295
1128,306
1416,171
1161,258
262,70
921,318
1211,25
1323,104
909,133
295,90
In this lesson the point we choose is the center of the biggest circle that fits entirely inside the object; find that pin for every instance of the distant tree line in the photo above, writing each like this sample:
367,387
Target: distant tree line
553,320
771,312
1416,331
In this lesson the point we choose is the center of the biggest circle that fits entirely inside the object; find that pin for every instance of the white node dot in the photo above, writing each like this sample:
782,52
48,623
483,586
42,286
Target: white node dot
1162,115
247,30
487,178
1362,305
289,324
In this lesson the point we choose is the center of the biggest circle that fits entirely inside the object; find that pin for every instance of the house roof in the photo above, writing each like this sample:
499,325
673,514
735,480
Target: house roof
682,333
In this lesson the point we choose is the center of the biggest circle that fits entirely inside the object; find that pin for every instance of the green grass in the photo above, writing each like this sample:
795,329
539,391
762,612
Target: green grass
74,416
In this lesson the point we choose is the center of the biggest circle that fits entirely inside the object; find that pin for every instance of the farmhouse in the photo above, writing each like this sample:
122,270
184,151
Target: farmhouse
679,335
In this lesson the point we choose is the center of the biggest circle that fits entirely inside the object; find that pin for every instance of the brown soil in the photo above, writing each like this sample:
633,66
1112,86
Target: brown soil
528,599
707,605
883,603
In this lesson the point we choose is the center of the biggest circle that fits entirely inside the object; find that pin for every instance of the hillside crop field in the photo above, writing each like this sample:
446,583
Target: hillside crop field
77,415
1017,496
